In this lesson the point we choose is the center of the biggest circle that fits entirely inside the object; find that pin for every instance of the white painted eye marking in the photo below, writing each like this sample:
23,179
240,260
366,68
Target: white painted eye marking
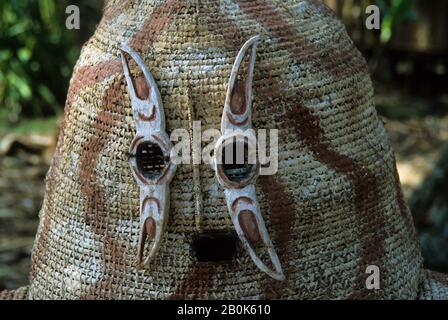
150,158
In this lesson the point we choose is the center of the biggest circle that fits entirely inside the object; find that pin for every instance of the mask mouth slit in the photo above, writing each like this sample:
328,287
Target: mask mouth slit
215,246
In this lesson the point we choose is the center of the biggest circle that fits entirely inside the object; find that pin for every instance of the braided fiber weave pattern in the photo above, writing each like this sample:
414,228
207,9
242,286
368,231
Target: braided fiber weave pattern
434,286
19,294
334,207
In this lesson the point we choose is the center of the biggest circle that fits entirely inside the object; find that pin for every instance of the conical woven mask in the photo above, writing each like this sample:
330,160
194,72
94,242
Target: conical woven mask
333,212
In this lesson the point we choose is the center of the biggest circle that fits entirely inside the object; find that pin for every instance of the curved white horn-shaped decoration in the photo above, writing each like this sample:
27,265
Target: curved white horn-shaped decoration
150,156
238,177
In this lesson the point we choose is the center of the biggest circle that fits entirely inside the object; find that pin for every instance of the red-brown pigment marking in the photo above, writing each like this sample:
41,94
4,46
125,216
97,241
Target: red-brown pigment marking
159,19
41,247
249,225
151,199
142,88
282,213
334,61
150,228
196,284
238,101
83,77
150,118
194,274
113,10
96,208
232,34
365,187
149,231
86,76
243,199
307,127
139,81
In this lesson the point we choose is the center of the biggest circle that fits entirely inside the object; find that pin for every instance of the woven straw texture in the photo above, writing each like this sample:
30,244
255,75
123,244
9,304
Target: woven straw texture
334,207
434,287
19,294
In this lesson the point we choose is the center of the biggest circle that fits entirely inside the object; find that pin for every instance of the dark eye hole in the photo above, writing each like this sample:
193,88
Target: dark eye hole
235,161
150,160
214,246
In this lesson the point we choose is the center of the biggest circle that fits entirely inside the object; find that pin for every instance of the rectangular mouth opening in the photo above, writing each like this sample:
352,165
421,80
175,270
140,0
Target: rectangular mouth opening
215,246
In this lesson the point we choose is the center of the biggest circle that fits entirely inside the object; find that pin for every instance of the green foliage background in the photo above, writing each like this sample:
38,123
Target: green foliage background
37,54
394,12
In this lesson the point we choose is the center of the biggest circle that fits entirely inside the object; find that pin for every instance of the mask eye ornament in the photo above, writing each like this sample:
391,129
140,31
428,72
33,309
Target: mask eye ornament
236,166
150,156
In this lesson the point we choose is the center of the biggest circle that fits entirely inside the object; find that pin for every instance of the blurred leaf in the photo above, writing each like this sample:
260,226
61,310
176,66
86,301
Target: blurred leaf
24,54
48,97
18,29
394,12
37,54
5,55
20,84
47,11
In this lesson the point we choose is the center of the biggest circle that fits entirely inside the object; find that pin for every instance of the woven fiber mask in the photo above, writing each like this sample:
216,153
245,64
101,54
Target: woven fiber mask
122,220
